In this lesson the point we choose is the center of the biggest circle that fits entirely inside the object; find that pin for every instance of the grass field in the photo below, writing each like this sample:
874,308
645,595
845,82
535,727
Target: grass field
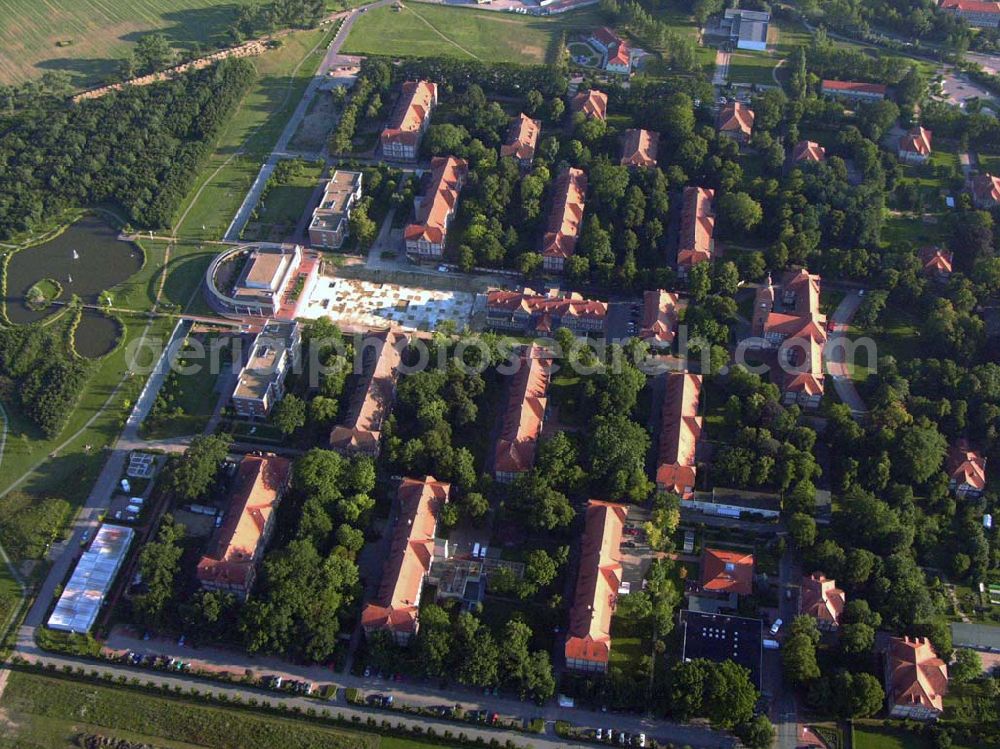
283,75
284,205
751,67
48,712
422,30
874,736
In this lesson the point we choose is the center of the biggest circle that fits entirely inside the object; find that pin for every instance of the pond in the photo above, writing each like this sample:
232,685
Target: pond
85,260
96,334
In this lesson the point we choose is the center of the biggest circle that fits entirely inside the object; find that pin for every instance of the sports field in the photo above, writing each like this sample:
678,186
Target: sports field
422,30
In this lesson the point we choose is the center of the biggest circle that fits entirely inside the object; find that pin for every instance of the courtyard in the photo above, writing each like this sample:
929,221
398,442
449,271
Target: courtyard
363,304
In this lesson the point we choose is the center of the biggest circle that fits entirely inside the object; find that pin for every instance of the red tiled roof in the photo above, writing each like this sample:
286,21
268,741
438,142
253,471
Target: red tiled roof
415,104
395,607
521,138
916,676
821,598
522,424
936,260
918,140
593,103
566,215
606,36
808,150
567,305
736,116
679,434
622,55
855,87
659,316
803,327
371,402
971,6
597,583
257,488
986,189
447,176
727,572
640,148
697,226
967,466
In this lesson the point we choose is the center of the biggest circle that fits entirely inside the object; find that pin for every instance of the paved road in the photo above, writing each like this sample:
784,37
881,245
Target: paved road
330,60
784,705
419,693
836,354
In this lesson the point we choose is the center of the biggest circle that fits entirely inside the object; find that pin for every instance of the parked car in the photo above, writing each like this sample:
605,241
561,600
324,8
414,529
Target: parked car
599,734
776,626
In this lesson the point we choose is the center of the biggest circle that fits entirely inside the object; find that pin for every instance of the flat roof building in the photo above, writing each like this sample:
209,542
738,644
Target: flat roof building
261,382
329,225
95,571
718,638
747,29
267,274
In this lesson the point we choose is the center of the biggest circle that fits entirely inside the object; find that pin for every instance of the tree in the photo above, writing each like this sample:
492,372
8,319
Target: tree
289,414
196,469
729,695
866,695
618,449
361,227
159,565
802,529
966,667
153,53
739,212
919,452
323,410
798,655
758,733
445,139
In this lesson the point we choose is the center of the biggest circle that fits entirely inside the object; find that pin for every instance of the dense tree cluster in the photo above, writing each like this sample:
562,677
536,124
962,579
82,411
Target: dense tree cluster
363,102
255,19
40,375
139,147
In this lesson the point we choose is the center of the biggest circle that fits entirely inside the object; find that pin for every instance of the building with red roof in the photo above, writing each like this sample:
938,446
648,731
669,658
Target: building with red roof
525,414
735,121
854,90
808,150
916,680
360,430
966,471
604,39
985,189
974,12
936,262
820,598
592,103
588,639
259,485
401,138
659,318
787,320
915,146
530,312
696,243
521,140
680,431
565,219
639,148
425,238
726,572
396,606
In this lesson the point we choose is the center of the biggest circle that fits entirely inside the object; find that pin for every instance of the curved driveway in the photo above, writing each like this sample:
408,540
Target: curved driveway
836,352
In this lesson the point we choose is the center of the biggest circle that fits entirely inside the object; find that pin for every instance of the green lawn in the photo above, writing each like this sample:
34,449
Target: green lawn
192,395
284,204
10,596
421,30
283,75
872,735
49,711
914,231
751,67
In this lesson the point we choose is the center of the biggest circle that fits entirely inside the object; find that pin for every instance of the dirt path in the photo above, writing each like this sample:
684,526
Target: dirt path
448,39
